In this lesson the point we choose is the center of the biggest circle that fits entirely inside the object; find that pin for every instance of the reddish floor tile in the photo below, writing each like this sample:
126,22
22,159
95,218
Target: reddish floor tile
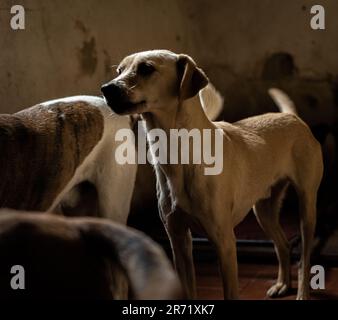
255,280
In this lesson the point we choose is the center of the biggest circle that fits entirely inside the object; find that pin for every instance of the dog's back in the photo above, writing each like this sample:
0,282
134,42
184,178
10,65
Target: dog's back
41,147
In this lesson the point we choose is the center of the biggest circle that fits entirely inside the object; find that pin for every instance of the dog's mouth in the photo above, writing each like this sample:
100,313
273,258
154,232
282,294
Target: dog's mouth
140,103
126,107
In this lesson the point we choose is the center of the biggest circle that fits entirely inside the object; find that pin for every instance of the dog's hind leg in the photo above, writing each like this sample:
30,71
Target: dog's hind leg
307,213
267,214
306,181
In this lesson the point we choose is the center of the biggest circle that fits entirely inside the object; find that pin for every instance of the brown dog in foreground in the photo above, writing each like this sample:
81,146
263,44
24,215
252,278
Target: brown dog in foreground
261,156
52,151
68,258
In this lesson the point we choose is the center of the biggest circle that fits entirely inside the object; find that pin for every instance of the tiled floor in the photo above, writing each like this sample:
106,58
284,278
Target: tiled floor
254,281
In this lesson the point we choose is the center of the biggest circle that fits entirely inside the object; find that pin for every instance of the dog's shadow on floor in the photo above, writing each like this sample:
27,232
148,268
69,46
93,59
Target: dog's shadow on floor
323,295
314,295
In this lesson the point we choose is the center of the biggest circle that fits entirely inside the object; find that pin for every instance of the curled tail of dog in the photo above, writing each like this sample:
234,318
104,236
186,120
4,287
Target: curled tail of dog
212,101
283,101
147,267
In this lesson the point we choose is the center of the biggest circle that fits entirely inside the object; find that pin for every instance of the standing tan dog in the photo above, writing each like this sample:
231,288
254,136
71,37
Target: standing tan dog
262,155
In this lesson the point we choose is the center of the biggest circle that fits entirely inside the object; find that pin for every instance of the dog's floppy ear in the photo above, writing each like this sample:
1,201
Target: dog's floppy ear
191,78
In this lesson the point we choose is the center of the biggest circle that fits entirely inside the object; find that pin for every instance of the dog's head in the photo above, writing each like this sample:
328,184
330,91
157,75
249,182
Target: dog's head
153,80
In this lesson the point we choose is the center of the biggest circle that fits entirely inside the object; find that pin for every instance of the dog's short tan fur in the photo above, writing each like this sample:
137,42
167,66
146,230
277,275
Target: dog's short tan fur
262,155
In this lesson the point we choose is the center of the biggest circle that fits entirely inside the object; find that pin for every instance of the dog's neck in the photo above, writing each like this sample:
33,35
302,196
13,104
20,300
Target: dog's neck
188,114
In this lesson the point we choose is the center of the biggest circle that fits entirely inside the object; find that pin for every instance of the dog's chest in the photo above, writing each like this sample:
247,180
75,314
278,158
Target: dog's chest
179,204
175,191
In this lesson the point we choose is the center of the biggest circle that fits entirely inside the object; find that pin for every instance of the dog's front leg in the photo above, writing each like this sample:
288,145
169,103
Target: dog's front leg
181,244
225,243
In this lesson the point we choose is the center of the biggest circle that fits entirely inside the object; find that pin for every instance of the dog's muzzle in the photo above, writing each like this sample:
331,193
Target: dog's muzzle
115,96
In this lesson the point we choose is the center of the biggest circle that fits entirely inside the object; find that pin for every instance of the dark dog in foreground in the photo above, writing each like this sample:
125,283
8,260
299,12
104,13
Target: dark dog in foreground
80,258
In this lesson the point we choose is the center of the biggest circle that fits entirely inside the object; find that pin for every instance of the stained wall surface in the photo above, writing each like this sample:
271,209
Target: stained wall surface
69,47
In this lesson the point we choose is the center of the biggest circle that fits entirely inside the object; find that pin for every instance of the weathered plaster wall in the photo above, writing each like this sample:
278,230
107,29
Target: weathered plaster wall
68,47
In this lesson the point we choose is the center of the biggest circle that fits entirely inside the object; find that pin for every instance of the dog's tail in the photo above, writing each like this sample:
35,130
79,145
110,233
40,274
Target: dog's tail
212,101
283,101
149,271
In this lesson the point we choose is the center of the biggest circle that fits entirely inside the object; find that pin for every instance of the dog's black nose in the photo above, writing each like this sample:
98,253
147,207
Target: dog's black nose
116,97
112,92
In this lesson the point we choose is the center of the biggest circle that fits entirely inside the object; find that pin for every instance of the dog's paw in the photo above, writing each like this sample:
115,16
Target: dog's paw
278,290
303,296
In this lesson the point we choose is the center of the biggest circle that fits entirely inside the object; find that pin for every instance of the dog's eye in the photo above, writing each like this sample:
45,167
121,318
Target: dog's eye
119,71
145,69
